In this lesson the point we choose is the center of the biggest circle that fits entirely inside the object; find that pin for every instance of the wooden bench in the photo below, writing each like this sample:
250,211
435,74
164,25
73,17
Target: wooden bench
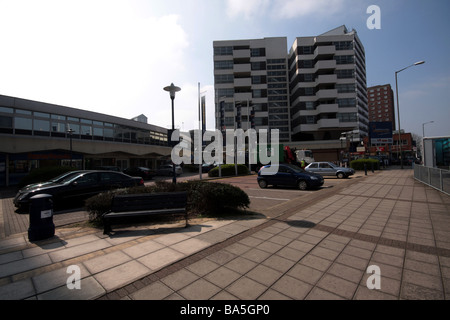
138,205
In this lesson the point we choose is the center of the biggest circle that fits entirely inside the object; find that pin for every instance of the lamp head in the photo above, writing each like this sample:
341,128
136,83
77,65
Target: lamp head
419,62
172,90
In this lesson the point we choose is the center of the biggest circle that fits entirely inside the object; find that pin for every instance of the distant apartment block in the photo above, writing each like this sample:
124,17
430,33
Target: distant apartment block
315,94
251,84
381,104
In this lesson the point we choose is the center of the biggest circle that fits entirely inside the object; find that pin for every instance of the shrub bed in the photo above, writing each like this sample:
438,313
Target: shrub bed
228,170
208,198
359,164
43,174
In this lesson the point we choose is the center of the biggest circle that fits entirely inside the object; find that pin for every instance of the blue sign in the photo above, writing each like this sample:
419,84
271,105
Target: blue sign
380,132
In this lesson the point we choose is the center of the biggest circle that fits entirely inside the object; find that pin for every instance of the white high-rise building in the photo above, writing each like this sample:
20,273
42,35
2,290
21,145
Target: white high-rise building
316,94
251,78
328,90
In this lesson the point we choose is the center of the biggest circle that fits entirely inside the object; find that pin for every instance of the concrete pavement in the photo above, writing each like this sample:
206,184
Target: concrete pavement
317,247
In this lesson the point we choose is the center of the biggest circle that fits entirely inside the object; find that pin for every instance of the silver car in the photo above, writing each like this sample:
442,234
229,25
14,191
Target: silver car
329,169
166,170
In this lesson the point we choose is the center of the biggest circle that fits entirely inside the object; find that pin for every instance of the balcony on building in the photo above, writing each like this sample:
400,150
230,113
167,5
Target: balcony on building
241,53
328,123
326,78
328,108
241,68
324,50
326,94
325,64
242,82
243,96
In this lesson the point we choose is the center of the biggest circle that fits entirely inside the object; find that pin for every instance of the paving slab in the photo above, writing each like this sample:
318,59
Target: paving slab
315,246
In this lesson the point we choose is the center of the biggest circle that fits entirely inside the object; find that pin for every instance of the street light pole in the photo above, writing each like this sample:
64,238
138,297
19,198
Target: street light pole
400,151
423,128
70,131
172,89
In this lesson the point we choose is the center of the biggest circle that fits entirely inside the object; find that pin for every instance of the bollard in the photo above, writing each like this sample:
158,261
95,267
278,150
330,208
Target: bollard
41,218
365,169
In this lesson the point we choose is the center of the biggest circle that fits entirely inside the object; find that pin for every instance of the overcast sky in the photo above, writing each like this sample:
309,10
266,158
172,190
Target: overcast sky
115,57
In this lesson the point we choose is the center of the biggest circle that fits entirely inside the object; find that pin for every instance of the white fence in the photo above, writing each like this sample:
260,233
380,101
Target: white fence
434,177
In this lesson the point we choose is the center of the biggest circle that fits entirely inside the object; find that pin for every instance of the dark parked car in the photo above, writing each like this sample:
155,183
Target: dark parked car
288,175
329,169
54,180
144,173
78,187
108,168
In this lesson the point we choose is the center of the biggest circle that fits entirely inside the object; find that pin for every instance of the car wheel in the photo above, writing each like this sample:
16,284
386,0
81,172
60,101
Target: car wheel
262,184
302,185
340,175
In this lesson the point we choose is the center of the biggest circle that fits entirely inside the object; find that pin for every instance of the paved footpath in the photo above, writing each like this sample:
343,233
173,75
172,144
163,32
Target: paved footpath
319,246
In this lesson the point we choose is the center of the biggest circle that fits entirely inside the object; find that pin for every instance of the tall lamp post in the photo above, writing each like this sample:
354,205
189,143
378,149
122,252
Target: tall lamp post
423,127
172,90
70,132
398,109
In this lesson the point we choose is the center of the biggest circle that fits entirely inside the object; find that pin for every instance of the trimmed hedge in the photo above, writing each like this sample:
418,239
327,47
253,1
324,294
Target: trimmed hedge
359,164
228,170
209,198
43,174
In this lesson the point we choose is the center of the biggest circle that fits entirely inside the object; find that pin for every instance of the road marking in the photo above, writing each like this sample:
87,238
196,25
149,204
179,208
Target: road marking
267,198
279,190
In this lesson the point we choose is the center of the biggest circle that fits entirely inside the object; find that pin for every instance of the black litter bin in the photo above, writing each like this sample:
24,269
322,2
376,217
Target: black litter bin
41,218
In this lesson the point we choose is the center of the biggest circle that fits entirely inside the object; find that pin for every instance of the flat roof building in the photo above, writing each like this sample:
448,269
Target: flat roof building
381,104
36,134
328,88
252,75
315,94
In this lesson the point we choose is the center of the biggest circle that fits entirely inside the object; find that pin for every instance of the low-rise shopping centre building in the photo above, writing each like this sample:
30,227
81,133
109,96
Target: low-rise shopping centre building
36,134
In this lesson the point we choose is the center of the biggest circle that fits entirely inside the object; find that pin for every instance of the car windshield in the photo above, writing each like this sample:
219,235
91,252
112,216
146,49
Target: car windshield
61,176
69,178
295,168
332,165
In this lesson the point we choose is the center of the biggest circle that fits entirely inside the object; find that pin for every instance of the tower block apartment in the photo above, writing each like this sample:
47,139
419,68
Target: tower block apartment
251,85
315,94
328,91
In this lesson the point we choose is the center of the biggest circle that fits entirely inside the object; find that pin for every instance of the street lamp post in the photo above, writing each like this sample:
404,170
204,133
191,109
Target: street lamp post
70,132
423,127
398,110
172,89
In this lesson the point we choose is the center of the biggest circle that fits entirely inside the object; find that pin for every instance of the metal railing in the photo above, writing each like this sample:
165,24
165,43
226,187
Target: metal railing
433,177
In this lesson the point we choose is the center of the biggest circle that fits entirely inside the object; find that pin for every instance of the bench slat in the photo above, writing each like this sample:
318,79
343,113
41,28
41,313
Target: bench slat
143,212
130,205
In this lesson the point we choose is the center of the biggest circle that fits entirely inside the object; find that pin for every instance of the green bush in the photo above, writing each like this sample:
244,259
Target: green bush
213,198
43,174
359,164
208,198
228,170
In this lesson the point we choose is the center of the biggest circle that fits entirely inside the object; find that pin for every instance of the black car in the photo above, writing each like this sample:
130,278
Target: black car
288,175
78,187
59,178
144,173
